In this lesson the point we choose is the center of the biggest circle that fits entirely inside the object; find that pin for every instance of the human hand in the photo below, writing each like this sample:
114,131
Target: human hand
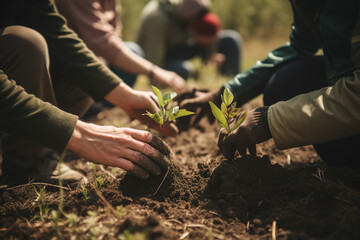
135,103
217,59
200,104
168,78
252,131
135,151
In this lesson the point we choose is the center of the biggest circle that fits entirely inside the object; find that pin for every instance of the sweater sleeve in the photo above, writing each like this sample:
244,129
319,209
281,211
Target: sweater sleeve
249,84
92,23
323,115
25,116
70,58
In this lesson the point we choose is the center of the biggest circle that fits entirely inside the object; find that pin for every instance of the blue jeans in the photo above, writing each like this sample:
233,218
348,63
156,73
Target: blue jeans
230,44
304,75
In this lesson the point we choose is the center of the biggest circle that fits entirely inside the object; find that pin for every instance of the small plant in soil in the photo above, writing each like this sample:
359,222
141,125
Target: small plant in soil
166,114
229,113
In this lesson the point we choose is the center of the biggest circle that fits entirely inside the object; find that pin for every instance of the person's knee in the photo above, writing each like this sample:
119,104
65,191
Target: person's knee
231,37
25,43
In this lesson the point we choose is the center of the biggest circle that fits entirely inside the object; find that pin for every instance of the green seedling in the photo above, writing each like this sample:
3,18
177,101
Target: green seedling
43,209
166,115
228,113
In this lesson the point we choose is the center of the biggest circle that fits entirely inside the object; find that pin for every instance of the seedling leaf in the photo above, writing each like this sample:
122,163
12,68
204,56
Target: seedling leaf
180,113
159,96
168,97
228,97
220,117
224,109
156,117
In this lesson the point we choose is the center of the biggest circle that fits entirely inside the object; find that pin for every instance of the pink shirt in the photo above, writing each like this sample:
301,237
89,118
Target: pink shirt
96,23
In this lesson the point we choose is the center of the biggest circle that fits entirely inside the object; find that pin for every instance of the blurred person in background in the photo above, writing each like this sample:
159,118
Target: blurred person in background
48,78
171,33
309,99
97,23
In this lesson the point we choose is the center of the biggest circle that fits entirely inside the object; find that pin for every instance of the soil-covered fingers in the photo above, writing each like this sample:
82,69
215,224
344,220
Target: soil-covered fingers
129,166
221,138
151,146
229,146
142,161
159,144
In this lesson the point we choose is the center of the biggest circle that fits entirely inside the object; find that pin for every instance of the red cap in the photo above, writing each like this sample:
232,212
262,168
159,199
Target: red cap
208,25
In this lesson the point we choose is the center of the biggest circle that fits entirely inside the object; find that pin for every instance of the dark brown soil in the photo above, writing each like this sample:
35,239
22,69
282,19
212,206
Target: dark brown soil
279,194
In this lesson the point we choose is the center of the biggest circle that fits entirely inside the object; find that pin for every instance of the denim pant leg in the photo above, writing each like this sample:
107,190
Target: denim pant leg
128,78
178,60
302,76
231,45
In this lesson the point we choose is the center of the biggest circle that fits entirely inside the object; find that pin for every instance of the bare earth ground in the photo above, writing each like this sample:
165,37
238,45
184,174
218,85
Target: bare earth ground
277,195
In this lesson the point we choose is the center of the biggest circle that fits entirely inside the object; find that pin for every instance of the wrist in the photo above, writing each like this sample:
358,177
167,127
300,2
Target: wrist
120,95
261,121
151,72
75,139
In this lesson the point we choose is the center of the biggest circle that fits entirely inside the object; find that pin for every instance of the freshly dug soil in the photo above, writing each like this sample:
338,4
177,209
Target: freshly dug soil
278,194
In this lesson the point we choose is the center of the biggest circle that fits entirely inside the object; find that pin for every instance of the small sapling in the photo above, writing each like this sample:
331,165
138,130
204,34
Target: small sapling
228,113
166,115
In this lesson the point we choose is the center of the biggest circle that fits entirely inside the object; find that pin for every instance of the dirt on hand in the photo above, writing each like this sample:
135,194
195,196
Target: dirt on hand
283,194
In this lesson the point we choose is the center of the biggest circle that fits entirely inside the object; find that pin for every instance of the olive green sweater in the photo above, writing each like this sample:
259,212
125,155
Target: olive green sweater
24,115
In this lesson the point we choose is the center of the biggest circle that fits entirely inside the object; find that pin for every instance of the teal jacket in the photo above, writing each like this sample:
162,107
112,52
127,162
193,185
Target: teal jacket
318,24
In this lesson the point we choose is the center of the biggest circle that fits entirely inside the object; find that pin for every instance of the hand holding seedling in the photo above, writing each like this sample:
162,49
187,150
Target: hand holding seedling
239,132
252,131
164,115
135,151
135,103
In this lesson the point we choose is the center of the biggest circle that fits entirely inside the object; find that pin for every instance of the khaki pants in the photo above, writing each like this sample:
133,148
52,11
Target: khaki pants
24,58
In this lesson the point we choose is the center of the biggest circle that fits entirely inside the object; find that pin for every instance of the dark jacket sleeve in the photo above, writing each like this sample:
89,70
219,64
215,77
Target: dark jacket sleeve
249,84
25,116
69,56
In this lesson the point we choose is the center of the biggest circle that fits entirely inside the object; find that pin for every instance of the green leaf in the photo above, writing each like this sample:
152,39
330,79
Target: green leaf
233,105
156,117
159,96
152,104
228,97
224,109
168,97
180,113
240,121
220,117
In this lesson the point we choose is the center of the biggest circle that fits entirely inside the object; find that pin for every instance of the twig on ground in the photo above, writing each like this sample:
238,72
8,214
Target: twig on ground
38,183
162,181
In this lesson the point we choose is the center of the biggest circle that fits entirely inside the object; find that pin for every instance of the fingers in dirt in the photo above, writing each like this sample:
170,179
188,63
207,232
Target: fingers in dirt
159,144
252,150
221,138
146,163
136,170
229,147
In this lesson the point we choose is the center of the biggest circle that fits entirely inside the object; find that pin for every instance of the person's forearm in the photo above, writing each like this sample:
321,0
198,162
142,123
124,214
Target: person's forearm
129,61
249,84
319,116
